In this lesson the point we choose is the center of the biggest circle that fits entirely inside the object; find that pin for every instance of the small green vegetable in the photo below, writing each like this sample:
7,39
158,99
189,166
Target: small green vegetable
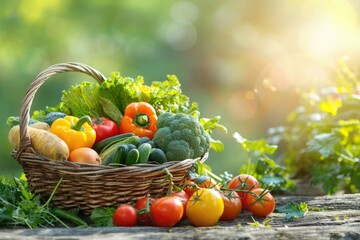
157,155
181,136
132,157
52,116
69,216
13,121
144,152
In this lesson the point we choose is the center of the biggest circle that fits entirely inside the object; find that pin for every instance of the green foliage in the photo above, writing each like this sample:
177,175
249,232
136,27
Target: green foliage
263,168
293,210
82,99
102,217
18,206
322,138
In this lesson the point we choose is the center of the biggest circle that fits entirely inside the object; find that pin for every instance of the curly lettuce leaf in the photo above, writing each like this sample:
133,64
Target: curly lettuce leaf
122,91
166,96
82,99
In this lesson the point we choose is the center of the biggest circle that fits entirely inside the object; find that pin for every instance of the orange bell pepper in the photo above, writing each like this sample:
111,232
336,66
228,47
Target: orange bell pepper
139,118
74,131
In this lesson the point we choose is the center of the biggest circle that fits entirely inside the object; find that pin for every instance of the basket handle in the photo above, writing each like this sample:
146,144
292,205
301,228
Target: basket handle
24,118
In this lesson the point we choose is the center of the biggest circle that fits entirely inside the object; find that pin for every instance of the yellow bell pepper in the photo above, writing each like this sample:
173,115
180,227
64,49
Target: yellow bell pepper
74,131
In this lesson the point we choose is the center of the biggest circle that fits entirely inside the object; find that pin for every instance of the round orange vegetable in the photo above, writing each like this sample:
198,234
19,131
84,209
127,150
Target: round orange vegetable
139,118
85,155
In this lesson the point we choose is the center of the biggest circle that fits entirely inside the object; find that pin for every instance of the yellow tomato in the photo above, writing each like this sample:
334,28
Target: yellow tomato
205,207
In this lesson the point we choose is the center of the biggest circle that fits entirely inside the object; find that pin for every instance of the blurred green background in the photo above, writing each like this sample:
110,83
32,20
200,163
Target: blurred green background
243,60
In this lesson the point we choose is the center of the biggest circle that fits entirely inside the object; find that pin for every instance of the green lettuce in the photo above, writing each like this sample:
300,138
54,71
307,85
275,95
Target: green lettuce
82,99
122,91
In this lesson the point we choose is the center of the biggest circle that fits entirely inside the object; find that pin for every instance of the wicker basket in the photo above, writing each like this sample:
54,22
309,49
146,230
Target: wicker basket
86,186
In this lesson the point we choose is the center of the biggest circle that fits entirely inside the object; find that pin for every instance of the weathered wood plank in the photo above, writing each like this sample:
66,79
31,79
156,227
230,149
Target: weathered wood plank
329,217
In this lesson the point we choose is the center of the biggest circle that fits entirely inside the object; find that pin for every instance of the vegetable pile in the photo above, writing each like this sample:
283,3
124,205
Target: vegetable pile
123,122
201,201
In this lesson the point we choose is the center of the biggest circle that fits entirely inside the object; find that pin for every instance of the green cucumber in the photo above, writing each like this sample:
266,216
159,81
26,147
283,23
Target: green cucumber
143,140
157,155
106,161
153,145
52,116
13,121
132,157
120,154
144,152
98,147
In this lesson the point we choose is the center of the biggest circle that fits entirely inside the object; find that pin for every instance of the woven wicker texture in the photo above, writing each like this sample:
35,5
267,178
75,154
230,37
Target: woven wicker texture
86,186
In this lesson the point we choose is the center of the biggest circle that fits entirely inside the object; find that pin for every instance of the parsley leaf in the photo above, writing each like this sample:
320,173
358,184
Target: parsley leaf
102,217
293,210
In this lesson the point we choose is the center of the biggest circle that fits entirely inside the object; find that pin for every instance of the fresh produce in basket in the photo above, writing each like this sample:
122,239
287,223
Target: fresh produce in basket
52,116
104,128
43,141
181,136
130,163
74,131
85,155
139,118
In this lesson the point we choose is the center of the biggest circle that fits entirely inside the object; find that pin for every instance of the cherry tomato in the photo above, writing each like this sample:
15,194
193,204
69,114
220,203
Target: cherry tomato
184,198
262,205
125,215
143,213
206,182
166,211
232,205
243,182
189,187
205,207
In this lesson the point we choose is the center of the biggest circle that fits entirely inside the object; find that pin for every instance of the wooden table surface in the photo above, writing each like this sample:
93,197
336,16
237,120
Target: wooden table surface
329,217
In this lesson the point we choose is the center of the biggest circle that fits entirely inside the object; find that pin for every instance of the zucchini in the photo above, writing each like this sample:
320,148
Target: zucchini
52,116
144,152
157,155
98,147
132,157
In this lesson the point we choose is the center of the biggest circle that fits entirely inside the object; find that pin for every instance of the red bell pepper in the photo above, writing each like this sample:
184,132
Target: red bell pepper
104,128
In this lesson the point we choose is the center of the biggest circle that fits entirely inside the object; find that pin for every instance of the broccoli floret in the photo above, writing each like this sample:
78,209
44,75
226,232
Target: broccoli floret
181,136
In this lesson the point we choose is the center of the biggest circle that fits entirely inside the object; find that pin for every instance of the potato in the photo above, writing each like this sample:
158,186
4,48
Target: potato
44,142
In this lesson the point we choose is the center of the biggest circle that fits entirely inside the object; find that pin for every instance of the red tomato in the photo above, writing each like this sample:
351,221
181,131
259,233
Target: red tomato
184,198
104,128
232,205
205,207
261,205
143,213
125,215
243,182
166,211
189,187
